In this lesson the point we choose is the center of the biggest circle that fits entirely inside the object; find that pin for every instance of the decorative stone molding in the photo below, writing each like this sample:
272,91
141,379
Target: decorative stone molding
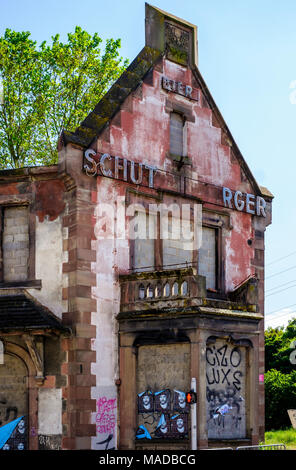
36,356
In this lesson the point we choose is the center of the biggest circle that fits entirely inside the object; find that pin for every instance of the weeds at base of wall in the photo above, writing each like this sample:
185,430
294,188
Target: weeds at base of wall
286,436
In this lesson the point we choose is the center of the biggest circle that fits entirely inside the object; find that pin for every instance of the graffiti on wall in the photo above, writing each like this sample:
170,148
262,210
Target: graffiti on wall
225,377
53,442
106,422
18,437
162,414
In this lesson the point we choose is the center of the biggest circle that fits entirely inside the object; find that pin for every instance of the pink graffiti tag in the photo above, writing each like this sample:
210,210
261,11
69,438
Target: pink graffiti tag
105,417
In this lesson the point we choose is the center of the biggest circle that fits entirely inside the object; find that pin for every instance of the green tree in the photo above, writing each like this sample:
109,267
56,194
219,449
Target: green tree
48,89
280,376
273,342
280,396
19,69
278,347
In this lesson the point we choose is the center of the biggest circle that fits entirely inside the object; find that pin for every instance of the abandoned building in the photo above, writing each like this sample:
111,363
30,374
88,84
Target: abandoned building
109,313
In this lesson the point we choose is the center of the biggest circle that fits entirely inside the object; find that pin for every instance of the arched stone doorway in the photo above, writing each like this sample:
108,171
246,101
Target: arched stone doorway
14,399
18,395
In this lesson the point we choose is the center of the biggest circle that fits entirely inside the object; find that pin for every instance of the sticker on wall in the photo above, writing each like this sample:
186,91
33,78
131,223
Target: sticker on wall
145,402
222,410
162,401
142,433
163,427
179,403
156,418
179,426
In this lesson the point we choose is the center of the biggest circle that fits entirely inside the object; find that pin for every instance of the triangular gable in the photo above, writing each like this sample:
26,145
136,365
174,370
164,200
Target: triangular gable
173,38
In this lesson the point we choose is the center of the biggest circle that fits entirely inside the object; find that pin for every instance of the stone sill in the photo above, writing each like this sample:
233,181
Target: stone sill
231,313
166,273
191,311
161,304
222,443
30,284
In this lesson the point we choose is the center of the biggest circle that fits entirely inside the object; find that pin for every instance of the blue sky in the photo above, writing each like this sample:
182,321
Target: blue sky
247,56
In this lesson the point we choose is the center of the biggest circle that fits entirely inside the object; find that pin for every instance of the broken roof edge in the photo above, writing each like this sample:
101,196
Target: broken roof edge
110,103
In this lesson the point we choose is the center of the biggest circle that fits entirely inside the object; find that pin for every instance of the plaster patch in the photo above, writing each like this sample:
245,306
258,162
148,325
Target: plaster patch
50,411
49,262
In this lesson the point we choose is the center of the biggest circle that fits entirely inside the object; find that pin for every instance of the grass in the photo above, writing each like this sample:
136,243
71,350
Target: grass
283,436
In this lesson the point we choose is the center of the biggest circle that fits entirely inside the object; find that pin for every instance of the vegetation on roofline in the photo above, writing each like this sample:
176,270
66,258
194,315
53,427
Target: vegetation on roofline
49,88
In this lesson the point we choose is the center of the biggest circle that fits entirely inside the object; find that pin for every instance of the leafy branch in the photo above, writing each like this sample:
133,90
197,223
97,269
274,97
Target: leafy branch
50,88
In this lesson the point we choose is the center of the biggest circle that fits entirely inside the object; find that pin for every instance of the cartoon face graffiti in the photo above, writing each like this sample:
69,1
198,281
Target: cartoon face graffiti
162,401
21,427
145,402
162,429
179,425
180,402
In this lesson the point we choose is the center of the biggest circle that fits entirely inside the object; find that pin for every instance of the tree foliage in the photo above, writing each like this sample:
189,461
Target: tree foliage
280,378
278,347
280,396
50,88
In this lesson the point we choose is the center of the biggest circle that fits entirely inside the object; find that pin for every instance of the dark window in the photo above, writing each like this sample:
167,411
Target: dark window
176,134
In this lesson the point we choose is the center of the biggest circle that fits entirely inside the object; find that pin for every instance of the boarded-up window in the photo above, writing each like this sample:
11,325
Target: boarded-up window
157,366
163,377
207,258
176,134
15,243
